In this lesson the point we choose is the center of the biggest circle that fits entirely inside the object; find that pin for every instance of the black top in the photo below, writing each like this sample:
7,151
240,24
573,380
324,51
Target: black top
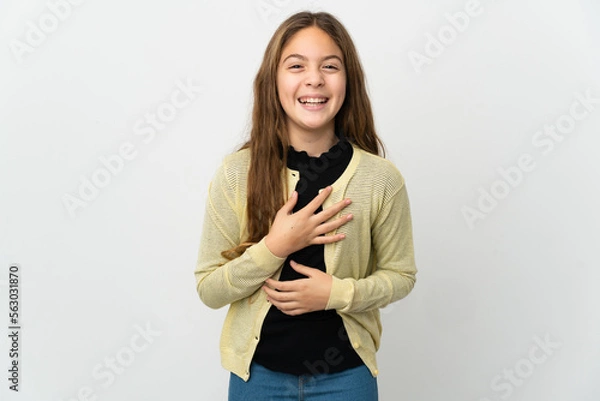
314,342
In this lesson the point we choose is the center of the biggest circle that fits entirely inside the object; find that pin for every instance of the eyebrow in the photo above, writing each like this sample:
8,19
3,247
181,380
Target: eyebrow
301,57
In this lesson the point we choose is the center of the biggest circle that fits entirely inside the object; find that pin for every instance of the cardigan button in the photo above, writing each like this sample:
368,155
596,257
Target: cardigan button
356,345
376,372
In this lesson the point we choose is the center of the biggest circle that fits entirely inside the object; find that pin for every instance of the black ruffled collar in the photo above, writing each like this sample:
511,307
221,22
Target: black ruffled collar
297,160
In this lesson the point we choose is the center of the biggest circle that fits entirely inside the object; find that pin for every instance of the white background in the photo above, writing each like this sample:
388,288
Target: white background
94,275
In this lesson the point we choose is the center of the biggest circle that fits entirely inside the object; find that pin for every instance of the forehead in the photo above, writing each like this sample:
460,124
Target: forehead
311,42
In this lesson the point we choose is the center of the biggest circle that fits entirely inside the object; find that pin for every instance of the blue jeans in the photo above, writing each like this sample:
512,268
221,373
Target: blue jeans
355,384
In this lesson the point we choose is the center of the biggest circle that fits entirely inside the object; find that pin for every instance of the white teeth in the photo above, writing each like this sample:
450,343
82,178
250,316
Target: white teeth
313,100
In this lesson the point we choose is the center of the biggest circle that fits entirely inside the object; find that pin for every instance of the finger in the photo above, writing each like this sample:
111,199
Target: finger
294,311
286,306
282,286
318,200
331,211
271,283
327,239
333,225
276,297
302,269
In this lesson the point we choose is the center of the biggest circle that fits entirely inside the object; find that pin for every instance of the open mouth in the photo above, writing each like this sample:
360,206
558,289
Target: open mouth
313,100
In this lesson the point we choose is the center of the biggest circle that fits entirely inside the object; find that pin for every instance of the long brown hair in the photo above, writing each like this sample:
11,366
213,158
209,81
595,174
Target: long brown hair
269,142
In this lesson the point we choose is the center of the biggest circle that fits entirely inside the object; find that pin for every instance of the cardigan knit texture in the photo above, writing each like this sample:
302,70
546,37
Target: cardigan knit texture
371,268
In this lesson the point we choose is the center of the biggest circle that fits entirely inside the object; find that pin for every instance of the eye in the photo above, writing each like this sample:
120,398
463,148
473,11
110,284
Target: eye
294,66
331,67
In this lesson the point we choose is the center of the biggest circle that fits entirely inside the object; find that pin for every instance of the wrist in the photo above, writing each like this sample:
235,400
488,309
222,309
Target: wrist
275,247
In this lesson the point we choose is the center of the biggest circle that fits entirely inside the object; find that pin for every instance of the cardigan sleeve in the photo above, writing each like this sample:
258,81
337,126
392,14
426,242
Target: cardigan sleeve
393,252
219,281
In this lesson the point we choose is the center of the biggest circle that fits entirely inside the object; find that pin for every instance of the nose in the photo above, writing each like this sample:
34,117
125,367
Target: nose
314,77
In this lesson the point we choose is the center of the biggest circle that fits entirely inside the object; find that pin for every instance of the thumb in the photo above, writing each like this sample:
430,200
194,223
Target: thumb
307,271
288,206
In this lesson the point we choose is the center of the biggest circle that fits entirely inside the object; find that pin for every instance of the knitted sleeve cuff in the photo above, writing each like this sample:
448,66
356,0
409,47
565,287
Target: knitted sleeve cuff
342,292
264,258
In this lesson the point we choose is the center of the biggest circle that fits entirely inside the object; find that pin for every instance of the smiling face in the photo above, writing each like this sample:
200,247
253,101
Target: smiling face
311,83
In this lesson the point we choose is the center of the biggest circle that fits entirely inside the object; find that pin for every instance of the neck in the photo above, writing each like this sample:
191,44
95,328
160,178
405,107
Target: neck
313,144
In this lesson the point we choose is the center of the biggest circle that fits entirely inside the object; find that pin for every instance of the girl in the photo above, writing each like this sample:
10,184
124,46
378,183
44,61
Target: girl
307,230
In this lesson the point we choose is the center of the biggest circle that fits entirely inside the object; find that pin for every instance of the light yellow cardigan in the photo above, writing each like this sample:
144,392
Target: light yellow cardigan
372,267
